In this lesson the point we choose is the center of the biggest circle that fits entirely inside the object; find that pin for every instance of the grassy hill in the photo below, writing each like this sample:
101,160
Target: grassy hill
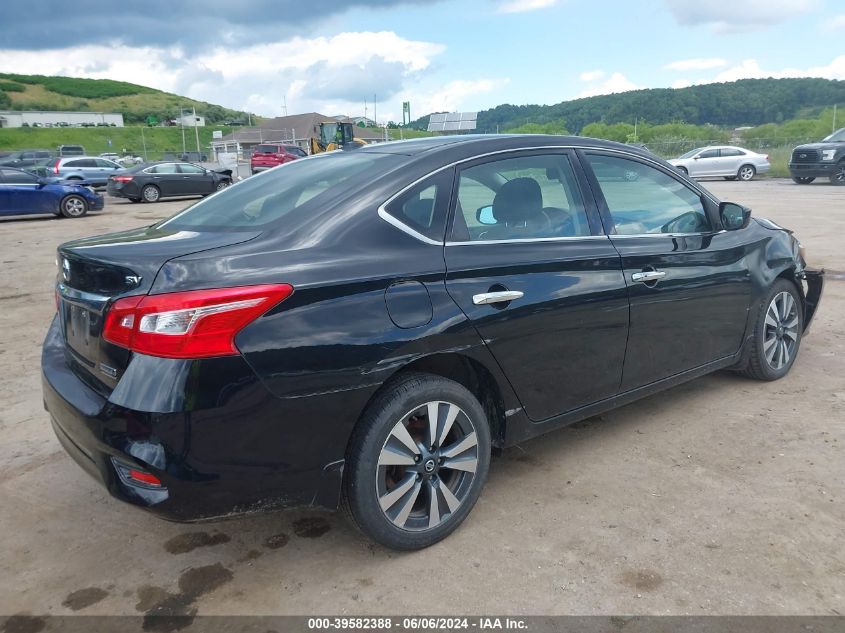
730,104
39,92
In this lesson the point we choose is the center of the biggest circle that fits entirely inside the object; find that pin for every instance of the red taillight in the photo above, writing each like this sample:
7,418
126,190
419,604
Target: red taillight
142,477
192,324
122,178
56,167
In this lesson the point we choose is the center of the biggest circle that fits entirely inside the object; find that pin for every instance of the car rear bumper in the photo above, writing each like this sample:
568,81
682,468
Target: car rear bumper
257,168
201,478
811,170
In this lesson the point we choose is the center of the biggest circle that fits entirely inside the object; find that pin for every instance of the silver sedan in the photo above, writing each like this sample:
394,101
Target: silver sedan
730,162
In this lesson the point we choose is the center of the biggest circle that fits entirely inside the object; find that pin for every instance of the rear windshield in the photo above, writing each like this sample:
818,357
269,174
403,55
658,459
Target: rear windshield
269,196
266,149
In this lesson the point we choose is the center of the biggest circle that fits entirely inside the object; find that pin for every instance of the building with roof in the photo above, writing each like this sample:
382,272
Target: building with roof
296,129
38,118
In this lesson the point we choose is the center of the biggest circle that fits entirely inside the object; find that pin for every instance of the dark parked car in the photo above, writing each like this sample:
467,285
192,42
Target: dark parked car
25,158
369,325
22,192
820,160
151,182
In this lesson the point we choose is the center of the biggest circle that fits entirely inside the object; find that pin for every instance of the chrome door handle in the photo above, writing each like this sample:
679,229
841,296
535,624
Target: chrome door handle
648,275
486,298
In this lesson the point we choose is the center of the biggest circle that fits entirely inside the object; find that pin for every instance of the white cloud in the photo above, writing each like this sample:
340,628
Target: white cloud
703,63
751,69
726,16
681,83
616,82
453,95
521,6
329,74
591,75
835,24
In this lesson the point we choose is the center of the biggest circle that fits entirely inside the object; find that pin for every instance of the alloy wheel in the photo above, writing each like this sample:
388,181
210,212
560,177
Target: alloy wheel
746,172
780,330
426,466
74,207
150,193
838,175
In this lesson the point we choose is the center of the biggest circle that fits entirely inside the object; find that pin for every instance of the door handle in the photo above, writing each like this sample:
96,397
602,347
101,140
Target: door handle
648,275
486,298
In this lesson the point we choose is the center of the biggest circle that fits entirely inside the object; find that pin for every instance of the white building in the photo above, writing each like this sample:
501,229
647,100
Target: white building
9,118
189,120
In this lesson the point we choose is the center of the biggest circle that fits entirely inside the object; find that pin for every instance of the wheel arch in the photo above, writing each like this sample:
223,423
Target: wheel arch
466,371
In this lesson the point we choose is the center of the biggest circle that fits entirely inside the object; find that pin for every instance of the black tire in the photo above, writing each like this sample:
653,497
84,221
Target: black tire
73,206
763,360
730,177
222,185
134,199
150,193
838,175
683,170
746,173
803,180
437,496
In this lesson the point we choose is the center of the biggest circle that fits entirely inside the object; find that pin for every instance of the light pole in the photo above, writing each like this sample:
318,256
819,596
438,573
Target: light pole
182,125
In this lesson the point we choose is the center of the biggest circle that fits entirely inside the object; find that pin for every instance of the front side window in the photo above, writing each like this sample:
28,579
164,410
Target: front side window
643,200
529,197
710,153
103,163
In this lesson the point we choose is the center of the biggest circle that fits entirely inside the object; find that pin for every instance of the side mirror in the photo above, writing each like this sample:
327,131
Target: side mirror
484,215
734,216
696,157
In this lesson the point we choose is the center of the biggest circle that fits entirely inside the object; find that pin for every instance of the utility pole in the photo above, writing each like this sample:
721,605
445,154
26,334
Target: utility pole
365,108
144,144
182,125
375,111
285,104
834,120
197,133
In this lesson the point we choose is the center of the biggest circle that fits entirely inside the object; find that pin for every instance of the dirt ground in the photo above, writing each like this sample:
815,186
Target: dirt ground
722,496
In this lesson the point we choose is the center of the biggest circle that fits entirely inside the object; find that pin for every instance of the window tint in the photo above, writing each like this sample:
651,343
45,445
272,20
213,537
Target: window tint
164,168
529,197
296,151
191,169
102,162
732,151
642,199
710,153
423,208
300,184
266,149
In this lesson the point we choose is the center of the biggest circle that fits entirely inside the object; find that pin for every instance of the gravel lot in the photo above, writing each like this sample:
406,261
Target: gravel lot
722,496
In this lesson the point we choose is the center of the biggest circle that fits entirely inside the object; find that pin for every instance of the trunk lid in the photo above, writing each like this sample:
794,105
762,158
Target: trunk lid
93,272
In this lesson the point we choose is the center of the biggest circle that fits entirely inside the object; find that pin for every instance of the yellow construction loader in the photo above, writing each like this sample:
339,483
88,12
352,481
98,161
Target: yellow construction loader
335,136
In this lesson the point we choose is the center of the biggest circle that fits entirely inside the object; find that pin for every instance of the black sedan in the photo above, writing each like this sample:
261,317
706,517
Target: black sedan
153,181
368,326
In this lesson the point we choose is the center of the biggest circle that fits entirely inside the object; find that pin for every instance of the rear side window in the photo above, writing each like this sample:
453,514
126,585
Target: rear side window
268,197
423,207
165,168
190,169
730,151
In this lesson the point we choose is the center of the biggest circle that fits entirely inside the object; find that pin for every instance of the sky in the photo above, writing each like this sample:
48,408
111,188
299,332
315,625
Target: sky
330,56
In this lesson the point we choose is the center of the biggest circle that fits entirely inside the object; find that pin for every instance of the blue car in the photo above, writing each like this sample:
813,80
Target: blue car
23,193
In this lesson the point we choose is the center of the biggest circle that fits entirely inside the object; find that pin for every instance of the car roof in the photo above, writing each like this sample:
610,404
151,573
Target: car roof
467,145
